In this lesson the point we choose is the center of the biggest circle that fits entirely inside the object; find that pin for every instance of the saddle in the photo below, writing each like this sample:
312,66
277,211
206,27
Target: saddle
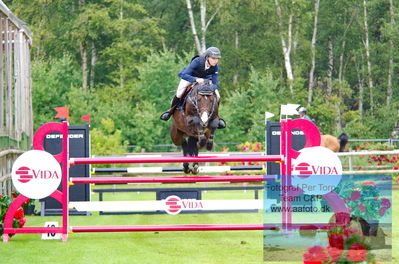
183,99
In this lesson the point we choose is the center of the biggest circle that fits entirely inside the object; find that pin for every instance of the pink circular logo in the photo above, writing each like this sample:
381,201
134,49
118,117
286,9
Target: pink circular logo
173,205
24,174
317,170
36,174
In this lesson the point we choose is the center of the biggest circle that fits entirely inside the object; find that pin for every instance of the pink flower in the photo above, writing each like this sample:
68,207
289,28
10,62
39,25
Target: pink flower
357,253
342,218
22,222
335,253
386,203
355,195
348,232
361,207
19,214
315,253
336,241
382,211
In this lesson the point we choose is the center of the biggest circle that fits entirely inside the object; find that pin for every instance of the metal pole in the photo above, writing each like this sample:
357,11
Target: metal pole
260,158
84,180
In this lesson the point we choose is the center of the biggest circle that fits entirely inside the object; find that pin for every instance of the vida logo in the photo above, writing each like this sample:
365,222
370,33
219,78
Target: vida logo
26,174
307,169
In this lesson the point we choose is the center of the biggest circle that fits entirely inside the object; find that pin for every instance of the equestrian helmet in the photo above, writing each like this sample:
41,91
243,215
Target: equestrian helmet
213,52
302,110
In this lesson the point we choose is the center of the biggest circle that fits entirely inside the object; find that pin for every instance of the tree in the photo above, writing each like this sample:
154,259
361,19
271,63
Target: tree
200,45
51,81
391,52
367,51
313,51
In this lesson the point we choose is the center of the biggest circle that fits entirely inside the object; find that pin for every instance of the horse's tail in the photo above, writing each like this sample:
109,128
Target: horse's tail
343,140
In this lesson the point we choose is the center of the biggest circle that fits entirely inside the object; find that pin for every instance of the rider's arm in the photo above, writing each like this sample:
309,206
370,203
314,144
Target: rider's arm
187,73
215,78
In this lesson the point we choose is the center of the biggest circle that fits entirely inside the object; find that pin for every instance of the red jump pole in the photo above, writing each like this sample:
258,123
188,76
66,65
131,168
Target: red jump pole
247,178
258,158
144,228
231,227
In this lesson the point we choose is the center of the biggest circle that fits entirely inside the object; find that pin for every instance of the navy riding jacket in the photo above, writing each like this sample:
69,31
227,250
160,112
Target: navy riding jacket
196,69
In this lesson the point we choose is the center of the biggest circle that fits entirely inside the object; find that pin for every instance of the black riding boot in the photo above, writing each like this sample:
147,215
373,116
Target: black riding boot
165,116
222,123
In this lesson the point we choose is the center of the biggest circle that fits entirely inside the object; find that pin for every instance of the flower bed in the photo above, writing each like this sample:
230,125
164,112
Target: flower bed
18,221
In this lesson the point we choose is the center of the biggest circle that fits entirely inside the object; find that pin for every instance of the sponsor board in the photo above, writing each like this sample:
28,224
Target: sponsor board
36,174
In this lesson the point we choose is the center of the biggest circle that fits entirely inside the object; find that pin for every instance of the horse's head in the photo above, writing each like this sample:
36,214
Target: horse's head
204,102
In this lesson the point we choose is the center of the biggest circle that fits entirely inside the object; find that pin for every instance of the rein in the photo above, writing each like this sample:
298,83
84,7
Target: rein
194,101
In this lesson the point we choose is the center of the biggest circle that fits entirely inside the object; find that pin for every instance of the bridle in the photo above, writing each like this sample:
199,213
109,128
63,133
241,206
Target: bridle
193,98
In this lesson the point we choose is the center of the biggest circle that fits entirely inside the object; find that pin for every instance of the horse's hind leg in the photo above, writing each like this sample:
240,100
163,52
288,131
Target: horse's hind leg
192,143
179,140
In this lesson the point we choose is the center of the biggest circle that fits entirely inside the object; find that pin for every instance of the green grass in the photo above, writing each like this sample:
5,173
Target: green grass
153,247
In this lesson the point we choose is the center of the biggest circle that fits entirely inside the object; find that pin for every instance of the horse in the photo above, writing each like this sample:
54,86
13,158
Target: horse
333,143
193,126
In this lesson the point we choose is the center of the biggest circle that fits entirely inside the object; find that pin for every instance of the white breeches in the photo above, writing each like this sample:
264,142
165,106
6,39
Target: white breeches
183,85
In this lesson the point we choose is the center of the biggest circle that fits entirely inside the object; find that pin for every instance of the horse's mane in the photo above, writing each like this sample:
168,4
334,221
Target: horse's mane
205,88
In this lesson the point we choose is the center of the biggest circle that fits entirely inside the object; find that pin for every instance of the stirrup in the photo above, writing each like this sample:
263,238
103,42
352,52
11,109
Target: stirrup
165,116
222,123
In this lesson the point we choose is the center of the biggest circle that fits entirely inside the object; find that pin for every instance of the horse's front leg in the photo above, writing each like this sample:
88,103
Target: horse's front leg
185,147
192,142
201,140
209,142
211,133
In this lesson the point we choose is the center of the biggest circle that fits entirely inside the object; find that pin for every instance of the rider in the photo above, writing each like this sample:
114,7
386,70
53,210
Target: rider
302,113
201,67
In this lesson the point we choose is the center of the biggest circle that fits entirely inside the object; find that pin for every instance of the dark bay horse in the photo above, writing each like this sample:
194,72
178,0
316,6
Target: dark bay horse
194,126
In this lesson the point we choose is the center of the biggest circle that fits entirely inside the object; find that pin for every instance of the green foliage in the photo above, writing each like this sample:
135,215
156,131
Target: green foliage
156,86
158,78
108,140
147,126
51,81
244,110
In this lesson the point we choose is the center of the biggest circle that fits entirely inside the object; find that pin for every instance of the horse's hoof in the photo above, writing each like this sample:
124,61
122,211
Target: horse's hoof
191,169
186,169
195,169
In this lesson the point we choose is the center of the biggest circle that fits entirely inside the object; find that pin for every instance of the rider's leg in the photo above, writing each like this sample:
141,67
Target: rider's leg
176,99
222,123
